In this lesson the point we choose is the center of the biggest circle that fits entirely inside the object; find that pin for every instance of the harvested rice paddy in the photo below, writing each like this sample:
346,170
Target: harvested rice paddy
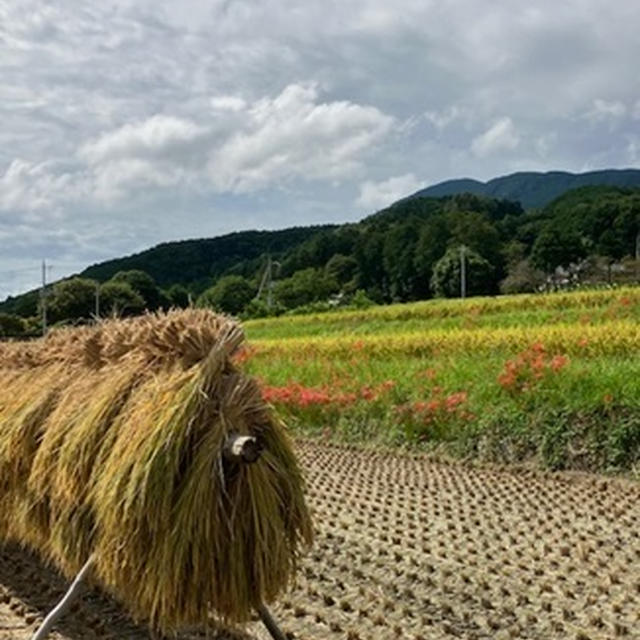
414,549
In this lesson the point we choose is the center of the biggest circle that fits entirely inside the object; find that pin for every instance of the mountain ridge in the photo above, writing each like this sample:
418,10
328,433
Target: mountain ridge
527,187
197,263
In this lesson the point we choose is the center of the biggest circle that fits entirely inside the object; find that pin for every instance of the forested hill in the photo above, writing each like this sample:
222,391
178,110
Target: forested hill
408,251
196,263
532,189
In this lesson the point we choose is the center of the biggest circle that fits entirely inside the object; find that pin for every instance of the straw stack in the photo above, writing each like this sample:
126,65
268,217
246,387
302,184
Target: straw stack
111,442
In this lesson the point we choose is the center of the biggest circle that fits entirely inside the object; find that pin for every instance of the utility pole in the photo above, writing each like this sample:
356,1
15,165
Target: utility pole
270,286
463,272
265,276
637,256
97,300
267,281
43,297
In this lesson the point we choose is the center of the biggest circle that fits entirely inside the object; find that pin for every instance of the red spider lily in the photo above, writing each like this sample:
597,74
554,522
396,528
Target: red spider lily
243,354
367,393
421,417
297,395
453,401
530,367
558,362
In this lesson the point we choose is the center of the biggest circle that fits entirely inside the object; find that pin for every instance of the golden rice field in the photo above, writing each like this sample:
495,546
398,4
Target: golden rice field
546,374
616,337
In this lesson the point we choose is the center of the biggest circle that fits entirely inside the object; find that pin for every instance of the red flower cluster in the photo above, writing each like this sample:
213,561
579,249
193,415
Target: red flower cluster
439,410
528,368
297,395
243,354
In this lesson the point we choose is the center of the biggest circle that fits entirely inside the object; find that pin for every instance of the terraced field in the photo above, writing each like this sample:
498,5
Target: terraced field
409,548
552,377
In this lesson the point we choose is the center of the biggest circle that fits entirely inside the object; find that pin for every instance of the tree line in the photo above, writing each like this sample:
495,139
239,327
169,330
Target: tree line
413,250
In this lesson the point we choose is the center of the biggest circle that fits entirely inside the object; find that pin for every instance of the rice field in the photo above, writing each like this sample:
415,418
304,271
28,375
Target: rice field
409,548
410,544
534,371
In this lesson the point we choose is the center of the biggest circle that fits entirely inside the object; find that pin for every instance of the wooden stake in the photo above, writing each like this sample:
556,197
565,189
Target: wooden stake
270,623
65,603
60,609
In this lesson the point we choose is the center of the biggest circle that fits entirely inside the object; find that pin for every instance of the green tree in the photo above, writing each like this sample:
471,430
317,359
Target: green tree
477,232
11,326
73,299
554,248
304,287
178,296
230,295
341,268
369,254
445,281
142,283
117,298
432,244
398,256
611,247
522,277
258,308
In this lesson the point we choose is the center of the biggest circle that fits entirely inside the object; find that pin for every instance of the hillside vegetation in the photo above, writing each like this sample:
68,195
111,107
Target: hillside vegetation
412,250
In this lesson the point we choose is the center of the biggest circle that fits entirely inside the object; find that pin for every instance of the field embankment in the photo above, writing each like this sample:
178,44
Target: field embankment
554,377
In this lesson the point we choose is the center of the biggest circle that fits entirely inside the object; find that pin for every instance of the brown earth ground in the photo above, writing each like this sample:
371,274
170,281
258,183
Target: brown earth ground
407,548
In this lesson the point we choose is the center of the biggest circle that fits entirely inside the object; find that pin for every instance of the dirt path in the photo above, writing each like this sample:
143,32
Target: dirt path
410,549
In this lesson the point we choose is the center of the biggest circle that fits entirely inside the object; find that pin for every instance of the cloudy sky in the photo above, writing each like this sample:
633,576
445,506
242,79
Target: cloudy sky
124,123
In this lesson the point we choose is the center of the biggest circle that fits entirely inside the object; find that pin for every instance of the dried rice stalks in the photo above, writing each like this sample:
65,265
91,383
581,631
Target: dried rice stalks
110,444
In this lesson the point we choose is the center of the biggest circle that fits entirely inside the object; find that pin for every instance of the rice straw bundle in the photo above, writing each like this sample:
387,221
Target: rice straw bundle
111,442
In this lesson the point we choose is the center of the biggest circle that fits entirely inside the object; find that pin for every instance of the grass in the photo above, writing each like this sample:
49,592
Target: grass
465,375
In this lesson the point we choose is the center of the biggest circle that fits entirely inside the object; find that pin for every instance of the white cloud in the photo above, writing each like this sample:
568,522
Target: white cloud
502,136
129,115
633,150
228,103
27,187
606,110
442,119
376,195
158,135
545,144
243,148
295,136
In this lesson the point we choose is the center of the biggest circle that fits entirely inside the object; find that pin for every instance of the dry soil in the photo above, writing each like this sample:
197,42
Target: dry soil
407,548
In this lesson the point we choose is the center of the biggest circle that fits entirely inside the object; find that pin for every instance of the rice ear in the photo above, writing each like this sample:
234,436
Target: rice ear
111,441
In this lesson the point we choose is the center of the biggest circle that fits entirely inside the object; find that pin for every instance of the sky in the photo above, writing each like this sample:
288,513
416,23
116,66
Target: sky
132,122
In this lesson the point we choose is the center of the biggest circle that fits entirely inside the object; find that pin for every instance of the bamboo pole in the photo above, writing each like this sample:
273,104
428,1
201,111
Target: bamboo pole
66,601
270,623
74,590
